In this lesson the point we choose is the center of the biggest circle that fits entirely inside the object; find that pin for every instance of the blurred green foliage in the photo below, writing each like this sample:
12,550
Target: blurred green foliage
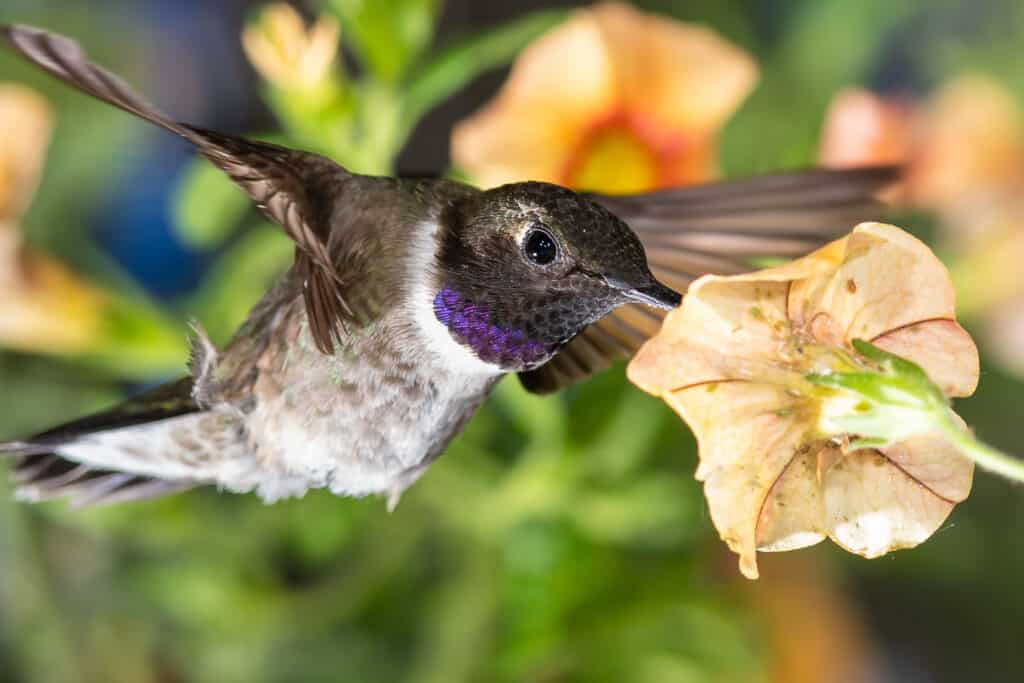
559,539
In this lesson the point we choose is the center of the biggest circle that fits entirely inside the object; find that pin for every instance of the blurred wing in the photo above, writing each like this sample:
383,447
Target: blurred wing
720,228
289,186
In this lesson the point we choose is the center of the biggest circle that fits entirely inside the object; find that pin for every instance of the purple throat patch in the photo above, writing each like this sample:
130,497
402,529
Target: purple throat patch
471,325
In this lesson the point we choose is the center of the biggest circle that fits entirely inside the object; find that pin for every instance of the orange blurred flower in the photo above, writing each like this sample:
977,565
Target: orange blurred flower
864,129
964,146
778,469
44,306
613,100
964,150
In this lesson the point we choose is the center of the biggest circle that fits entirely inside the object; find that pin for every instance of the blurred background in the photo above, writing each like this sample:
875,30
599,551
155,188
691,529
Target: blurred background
559,539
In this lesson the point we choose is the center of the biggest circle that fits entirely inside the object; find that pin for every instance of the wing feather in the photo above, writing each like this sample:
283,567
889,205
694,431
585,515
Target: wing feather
289,186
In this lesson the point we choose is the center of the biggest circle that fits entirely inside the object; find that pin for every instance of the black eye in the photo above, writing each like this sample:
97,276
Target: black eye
540,247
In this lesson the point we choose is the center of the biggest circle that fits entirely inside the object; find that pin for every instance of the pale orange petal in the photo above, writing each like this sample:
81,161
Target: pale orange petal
942,348
729,419
888,279
560,86
45,306
728,327
26,122
726,330
793,515
686,78
878,502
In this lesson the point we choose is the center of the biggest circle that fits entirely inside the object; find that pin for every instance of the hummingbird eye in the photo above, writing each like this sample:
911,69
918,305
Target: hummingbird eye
540,247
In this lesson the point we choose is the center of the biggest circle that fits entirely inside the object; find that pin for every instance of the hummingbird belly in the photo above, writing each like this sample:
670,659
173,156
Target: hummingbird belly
366,420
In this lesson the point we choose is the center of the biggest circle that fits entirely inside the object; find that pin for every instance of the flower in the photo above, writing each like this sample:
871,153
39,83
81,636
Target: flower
613,100
44,306
863,129
289,55
734,362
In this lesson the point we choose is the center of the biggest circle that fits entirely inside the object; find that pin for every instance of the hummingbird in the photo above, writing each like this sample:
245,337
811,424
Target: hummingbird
408,300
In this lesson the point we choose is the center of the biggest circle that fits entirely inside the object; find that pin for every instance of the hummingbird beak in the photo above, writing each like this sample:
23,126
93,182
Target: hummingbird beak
654,294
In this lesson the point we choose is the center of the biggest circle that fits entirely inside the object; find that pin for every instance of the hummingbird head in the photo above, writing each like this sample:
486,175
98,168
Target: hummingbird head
523,268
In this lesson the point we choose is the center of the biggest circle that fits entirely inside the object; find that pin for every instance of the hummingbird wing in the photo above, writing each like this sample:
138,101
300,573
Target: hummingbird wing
720,228
290,187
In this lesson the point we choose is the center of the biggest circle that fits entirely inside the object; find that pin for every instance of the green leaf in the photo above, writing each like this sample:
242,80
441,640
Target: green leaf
454,67
207,206
139,341
388,35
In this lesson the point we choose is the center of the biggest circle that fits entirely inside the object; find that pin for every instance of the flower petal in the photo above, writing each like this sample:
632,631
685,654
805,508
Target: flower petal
888,279
879,501
863,129
559,86
942,348
26,122
729,329
686,78
747,436
793,513
45,306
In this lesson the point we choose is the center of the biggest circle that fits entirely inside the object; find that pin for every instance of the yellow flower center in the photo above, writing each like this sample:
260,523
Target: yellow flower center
616,161
623,153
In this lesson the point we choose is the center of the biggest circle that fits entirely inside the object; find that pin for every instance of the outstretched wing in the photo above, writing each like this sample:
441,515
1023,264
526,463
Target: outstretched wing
720,228
292,188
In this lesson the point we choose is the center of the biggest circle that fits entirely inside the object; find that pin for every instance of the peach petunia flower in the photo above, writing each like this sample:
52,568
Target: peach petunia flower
44,306
613,100
778,473
287,53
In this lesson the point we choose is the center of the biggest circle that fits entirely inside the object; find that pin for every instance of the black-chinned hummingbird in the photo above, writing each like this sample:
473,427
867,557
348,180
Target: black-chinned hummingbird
407,301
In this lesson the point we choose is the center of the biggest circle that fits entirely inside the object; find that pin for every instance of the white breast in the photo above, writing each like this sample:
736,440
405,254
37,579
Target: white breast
435,335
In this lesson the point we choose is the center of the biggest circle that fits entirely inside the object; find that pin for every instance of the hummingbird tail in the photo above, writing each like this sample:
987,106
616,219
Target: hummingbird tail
81,460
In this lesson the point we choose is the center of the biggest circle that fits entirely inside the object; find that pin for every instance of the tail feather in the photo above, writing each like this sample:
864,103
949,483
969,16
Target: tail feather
43,473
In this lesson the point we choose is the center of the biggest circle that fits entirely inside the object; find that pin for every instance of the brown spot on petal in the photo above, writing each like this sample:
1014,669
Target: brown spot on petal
851,286
824,329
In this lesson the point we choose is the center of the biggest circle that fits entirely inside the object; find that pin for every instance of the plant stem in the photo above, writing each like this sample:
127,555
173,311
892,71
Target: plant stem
983,455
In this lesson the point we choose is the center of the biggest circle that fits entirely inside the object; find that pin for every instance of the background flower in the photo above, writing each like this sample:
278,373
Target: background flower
44,306
289,55
614,100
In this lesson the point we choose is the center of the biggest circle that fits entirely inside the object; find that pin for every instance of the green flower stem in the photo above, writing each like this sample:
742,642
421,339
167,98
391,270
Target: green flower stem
983,455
